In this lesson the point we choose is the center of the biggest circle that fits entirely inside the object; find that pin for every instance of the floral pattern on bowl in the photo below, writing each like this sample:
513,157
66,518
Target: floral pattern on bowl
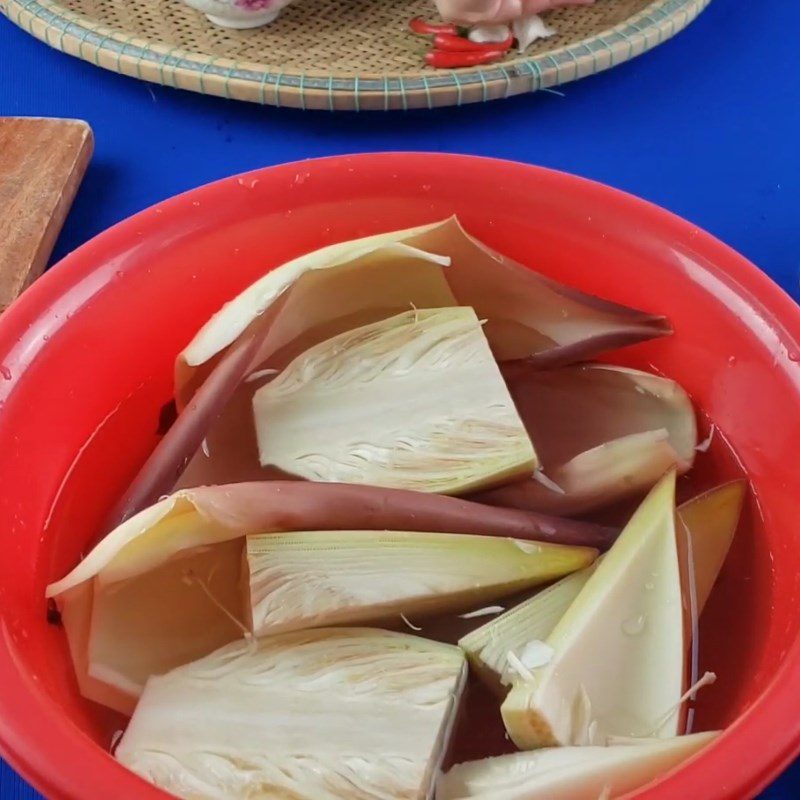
240,14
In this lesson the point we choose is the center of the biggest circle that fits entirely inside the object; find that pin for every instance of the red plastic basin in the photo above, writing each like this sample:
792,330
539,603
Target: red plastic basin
86,363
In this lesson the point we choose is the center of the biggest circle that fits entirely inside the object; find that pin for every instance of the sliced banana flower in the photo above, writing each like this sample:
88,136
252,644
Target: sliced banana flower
346,285
361,281
330,714
711,519
164,587
415,401
629,611
316,578
569,773
601,433
533,620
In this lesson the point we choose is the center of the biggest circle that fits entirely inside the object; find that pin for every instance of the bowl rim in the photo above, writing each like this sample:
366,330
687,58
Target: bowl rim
761,742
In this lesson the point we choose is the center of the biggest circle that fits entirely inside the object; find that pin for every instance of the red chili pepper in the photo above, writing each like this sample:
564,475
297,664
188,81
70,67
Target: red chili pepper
452,60
418,25
458,44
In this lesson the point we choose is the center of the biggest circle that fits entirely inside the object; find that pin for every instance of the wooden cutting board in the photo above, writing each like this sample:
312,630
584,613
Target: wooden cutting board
42,162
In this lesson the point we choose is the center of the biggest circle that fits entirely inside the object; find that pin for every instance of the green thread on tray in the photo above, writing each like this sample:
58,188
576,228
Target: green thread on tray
302,92
508,81
537,76
202,77
99,49
661,13
331,104
593,51
568,51
628,39
356,98
659,30
427,91
528,71
33,15
610,51
643,32
262,88
278,80
61,37
484,85
120,52
29,28
27,8
459,88
137,62
555,64
588,51
385,92
226,83
161,77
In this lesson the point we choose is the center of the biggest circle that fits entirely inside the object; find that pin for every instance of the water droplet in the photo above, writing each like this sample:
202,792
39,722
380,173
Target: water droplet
731,360
649,586
526,546
536,654
794,356
5,372
634,625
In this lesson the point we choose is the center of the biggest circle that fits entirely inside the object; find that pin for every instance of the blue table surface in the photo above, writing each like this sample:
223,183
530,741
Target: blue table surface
707,125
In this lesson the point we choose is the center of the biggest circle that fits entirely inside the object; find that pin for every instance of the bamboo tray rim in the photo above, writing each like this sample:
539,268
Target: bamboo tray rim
157,62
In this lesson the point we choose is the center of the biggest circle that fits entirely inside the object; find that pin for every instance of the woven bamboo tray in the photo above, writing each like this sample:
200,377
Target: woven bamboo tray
338,54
